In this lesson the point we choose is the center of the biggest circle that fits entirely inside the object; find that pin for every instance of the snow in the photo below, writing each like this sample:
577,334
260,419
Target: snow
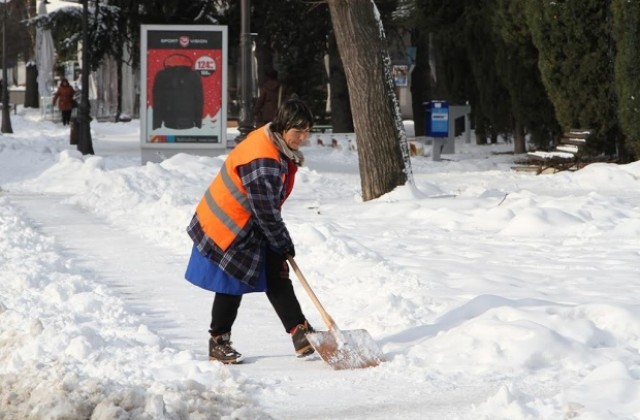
493,294
58,4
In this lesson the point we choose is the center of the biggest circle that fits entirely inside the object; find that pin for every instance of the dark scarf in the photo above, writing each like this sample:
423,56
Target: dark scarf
296,156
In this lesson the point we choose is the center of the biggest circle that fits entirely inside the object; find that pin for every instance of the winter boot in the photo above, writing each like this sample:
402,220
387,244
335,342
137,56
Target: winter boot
300,342
220,349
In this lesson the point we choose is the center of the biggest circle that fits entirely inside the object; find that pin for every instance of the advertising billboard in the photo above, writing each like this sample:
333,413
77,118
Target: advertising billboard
183,96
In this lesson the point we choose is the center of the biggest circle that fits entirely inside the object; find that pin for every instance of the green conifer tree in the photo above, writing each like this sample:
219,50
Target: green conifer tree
517,66
575,45
626,22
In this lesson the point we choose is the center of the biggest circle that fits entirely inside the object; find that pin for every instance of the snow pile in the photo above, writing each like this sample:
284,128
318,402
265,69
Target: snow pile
70,349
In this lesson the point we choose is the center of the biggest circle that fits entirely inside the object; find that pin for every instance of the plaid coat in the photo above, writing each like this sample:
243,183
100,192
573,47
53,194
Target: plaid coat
266,192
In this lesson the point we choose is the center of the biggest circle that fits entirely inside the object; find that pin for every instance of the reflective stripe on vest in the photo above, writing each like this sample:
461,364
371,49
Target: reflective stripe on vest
224,210
227,221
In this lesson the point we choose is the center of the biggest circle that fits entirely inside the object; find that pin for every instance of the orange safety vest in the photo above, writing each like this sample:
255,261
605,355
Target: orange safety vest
224,209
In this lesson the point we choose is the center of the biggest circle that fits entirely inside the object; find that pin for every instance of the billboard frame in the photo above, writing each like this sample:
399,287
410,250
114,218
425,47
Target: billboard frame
204,50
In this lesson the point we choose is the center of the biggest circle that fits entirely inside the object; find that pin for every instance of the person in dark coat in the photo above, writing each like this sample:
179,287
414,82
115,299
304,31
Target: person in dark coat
64,98
241,243
269,99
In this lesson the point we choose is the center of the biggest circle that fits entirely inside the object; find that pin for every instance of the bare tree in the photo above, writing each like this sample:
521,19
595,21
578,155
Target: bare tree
382,142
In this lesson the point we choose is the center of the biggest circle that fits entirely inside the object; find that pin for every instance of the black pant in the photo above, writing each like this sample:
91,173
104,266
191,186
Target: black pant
66,117
279,292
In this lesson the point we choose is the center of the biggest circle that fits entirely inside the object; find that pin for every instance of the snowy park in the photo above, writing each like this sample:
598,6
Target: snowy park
493,294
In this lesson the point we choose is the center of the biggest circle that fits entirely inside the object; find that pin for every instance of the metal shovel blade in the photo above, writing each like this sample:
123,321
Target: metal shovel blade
350,349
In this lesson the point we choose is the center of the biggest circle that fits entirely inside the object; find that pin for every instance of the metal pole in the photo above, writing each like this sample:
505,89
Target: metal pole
85,146
6,115
246,123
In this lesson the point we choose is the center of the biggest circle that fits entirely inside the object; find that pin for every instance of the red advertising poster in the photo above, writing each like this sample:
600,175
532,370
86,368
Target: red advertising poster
184,93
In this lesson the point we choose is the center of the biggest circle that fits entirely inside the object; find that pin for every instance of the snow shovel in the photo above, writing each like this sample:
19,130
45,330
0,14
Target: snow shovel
349,349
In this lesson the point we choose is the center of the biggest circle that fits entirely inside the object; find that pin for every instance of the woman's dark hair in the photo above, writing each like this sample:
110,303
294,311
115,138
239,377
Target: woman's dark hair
292,114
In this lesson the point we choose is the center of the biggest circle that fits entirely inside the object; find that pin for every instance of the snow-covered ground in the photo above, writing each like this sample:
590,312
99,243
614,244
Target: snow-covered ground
493,294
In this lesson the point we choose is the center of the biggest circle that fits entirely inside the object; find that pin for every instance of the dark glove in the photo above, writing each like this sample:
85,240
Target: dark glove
290,251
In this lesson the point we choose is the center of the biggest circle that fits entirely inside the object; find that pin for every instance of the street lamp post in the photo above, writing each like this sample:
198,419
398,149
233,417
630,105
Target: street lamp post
246,96
85,145
6,115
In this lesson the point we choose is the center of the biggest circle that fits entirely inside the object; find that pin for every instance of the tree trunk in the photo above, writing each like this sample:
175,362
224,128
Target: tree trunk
341,118
31,95
382,142
481,129
519,142
420,82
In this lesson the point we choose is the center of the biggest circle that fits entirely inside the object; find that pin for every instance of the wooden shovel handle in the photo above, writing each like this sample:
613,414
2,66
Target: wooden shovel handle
325,316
